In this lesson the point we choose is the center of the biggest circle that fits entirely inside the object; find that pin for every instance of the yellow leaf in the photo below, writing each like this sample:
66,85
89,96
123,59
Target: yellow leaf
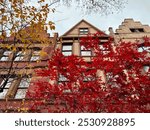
52,27
13,49
42,53
4,18
2,10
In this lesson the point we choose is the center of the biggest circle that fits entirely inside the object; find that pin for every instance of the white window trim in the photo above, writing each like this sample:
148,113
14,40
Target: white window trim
20,56
83,31
5,90
23,86
35,56
5,56
67,49
144,48
85,52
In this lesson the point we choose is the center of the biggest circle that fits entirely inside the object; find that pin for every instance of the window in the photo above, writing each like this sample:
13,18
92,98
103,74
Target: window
146,68
62,80
35,56
136,29
112,79
83,31
5,56
89,78
144,48
85,52
103,49
9,82
20,56
22,88
67,49
89,75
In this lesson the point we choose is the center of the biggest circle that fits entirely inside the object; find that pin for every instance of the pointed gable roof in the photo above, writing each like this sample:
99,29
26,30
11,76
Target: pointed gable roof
78,25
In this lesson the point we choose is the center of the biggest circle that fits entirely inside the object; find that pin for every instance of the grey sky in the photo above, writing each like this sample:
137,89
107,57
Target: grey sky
65,18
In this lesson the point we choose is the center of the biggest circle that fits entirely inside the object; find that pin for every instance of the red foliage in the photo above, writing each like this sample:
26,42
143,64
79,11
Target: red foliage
73,85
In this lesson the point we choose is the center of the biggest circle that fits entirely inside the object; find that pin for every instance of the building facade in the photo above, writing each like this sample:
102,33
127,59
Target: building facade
14,83
133,31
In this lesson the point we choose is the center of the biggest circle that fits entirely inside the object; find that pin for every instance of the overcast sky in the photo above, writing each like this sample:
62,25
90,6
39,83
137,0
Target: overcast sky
65,18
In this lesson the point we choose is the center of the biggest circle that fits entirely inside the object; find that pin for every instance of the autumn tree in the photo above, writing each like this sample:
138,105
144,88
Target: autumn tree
70,84
22,25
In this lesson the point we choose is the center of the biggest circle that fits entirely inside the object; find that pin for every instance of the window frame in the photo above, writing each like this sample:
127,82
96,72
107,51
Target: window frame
67,50
6,88
103,49
146,68
21,56
35,56
84,50
83,31
6,55
25,87
62,78
62,82
137,30
143,48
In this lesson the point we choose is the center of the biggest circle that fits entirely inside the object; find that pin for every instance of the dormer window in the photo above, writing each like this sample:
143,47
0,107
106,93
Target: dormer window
136,30
83,31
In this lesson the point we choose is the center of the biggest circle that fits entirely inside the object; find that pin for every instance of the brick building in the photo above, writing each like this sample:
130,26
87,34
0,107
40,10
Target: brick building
13,93
132,31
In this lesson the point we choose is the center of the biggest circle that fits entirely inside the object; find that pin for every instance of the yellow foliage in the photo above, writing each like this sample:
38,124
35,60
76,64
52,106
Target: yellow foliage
8,46
24,27
43,54
4,18
2,10
24,109
14,49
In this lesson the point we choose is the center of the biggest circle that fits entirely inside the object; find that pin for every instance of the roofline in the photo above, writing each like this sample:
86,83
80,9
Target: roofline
79,23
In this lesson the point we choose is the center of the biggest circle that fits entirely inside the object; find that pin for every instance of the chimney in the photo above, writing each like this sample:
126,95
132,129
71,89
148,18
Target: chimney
111,32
